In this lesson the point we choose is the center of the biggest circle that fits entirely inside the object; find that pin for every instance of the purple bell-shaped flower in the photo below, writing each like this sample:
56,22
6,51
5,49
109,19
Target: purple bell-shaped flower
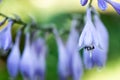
14,58
27,61
39,51
96,55
75,63
88,36
5,37
63,66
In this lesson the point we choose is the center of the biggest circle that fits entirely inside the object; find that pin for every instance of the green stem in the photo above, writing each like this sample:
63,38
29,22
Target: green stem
90,4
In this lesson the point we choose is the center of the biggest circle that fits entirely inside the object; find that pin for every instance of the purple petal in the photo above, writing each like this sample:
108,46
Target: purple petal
14,59
27,60
102,4
77,65
63,64
115,5
39,51
73,37
98,58
88,35
39,46
6,38
102,33
83,2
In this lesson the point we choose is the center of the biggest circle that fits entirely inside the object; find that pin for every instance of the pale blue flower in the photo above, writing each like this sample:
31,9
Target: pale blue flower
75,63
5,37
63,64
39,51
14,58
88,36
102,32
27,61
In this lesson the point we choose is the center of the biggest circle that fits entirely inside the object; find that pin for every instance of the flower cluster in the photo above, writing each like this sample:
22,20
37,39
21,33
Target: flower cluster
102,4
93,40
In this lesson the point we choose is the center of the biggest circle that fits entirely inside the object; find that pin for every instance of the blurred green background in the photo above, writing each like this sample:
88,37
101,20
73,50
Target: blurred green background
58,11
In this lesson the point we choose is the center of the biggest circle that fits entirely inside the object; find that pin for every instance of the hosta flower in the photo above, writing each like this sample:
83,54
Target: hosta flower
75,64
14,59
5,37
27,61
88,36
115,5
73,37
95,54
63,66
39,51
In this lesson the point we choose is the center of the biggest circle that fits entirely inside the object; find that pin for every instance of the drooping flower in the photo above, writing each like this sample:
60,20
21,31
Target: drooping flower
88,36
27,61
75,64
14,59
102,4
39,51
96,55
63,64
5,37
73,37
115,5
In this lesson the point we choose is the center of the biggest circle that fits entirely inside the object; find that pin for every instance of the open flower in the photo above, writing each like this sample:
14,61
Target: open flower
5,37
14,58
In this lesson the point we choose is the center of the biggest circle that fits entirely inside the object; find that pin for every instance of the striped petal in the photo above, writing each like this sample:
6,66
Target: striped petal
115,5
98,58
102,4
